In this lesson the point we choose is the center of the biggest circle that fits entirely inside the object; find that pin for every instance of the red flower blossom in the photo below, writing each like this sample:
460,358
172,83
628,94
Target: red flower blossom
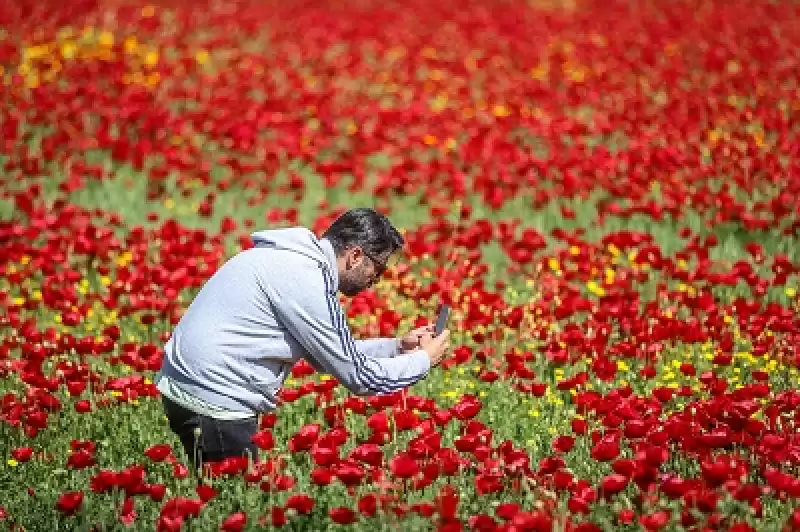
205,492
158,453
300,502
563,444
467,407
22,454
368,505
403,465
342,515
264,440
234,522
69,502
613,484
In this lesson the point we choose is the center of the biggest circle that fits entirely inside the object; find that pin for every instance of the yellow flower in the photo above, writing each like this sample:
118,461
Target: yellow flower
131,44
500,111
791,292
533,413
12,462
106,39
151,58
595,289
201,56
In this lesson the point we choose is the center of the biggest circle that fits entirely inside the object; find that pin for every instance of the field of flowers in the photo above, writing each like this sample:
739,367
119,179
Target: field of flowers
605,190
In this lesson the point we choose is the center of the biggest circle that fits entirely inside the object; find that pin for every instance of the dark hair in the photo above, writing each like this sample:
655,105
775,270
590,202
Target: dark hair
366,228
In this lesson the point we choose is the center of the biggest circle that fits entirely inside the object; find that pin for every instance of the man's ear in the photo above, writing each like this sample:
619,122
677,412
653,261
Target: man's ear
351,257
355,255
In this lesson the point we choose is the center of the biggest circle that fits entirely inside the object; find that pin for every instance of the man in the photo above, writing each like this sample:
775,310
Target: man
266,308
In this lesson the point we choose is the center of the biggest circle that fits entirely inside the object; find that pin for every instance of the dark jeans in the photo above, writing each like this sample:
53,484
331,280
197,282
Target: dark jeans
218,439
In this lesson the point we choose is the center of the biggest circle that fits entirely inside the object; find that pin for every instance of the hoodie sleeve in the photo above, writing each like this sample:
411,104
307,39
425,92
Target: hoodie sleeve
379,347
311,312
372,347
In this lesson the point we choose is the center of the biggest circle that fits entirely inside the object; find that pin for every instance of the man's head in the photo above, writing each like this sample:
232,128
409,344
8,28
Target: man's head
364,240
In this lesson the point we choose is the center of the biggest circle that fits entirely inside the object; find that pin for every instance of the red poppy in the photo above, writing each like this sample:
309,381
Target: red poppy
263,439
613,484
342,515
159,452
563,444
403,465
22,454
368,505
467,407
321,476
300,502
348,472
234,522
304,438
206,492
655,521
69,502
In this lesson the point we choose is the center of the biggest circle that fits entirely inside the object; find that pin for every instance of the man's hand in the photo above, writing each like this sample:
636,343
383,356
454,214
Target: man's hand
437,347
416,338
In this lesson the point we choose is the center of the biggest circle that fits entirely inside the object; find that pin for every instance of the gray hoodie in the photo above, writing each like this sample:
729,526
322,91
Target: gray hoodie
262,311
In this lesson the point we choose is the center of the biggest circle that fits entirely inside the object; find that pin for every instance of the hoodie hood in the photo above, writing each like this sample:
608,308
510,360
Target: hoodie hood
299,240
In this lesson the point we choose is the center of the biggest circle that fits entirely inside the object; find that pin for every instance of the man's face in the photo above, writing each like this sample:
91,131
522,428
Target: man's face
360,270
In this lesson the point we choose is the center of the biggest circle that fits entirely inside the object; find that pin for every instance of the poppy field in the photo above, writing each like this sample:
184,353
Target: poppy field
604,190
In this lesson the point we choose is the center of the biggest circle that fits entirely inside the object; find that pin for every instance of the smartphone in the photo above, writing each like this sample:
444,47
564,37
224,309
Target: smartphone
441,321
